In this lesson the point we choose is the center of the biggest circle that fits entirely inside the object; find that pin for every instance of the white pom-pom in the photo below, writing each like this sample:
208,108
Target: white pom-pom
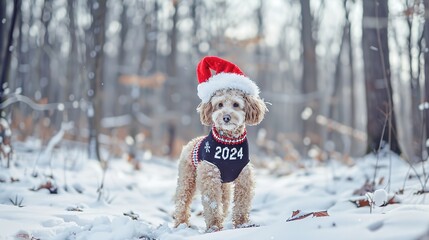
380,197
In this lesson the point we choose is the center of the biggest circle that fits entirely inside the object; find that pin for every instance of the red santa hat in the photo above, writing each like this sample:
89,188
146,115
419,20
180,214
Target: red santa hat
227,76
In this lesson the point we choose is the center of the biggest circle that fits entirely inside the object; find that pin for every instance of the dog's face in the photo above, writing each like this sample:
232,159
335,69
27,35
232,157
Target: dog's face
230,109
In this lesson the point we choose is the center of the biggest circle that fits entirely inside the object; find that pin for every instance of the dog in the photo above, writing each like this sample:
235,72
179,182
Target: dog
215,163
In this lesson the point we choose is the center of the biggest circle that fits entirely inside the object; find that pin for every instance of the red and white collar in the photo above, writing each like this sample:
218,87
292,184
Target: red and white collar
228,140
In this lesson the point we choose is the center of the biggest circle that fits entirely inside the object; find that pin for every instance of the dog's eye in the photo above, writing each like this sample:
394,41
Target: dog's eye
235,105
220,105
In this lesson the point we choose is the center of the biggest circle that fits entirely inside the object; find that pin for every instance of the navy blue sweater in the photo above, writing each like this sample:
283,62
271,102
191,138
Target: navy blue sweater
230,159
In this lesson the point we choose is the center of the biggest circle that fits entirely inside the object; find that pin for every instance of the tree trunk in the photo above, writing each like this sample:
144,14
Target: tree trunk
195,25
339,83
169,87
45,60
426,58
416,143
8,52
261,60
2,29
122,90
354,142
309,74
72,62
172,63
96,77
381,126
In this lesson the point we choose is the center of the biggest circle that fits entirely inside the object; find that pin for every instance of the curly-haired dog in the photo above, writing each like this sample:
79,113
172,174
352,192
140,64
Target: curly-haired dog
214,163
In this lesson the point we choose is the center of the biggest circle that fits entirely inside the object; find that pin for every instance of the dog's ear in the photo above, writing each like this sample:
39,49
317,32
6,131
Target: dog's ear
255,109
205,110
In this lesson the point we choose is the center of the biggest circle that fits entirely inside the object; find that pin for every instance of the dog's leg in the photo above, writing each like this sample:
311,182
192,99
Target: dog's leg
226,198
243,194
185,189
210,185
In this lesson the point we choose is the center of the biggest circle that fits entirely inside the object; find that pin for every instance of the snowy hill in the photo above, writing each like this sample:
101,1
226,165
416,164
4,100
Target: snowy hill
61,201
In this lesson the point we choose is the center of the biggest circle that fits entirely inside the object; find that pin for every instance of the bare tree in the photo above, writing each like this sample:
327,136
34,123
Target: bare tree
172,72
309,70
72,65
172,64
2,28
195,15
98,10
381,126
261,59
73,83
343,78
416,97
45,59
426,59
8,51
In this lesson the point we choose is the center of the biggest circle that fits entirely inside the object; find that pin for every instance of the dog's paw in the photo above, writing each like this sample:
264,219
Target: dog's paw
181,226
186,226
213,229
247,225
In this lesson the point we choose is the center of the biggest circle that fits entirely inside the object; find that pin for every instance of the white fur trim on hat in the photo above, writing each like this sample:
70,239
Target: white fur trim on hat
226,81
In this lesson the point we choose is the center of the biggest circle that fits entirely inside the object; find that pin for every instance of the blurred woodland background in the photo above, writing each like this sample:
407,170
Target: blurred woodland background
344,77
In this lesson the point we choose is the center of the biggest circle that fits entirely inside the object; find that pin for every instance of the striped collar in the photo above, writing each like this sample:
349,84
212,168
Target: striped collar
228,140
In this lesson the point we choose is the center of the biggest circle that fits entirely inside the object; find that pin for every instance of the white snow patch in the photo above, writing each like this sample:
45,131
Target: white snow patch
380,197
75,213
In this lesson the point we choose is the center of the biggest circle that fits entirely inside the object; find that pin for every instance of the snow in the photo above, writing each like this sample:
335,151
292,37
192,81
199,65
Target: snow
424,106
138,204
380,197
91,75
60,107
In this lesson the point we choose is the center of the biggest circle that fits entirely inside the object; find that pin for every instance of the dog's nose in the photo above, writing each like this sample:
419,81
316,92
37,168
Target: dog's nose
226,118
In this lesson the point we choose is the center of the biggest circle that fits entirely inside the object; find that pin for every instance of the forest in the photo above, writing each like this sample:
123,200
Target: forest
123,72
104,80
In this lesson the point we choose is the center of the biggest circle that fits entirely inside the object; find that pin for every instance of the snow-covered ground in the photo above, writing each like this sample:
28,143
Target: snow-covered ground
137,204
